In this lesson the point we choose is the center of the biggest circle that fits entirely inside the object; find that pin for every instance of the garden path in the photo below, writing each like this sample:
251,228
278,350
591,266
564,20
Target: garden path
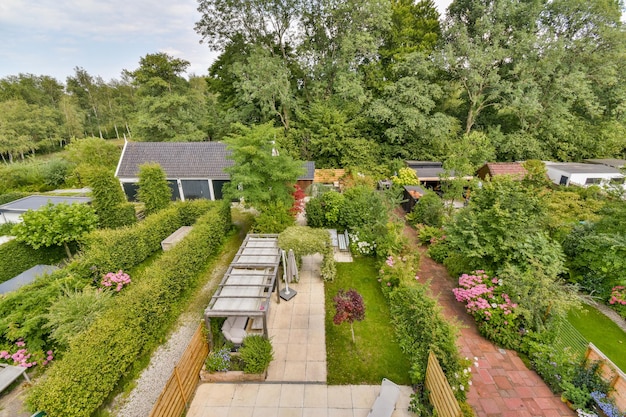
502,385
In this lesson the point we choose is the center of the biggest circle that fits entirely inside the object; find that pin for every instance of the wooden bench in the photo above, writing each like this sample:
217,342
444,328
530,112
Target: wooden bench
385,403
8,374
344,241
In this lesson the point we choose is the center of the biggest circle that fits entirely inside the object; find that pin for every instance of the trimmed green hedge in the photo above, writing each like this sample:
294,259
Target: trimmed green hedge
109,250
21,311
16,257
80,382
12,196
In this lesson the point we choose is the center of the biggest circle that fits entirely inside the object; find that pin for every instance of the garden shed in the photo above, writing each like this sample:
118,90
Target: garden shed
12,212
243,295
193,169
411,195
430,173
582,174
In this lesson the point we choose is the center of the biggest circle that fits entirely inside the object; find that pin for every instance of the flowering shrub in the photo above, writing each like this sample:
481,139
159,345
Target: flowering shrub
495,314
115,281
618,299
606,405
22,357
362,246
395,270
218,360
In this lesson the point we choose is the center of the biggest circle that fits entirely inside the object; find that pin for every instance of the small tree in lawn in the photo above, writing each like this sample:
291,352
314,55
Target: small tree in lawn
349,307
153,192
56,225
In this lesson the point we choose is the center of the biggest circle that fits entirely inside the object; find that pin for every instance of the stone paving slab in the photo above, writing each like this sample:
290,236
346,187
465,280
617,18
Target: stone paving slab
501,384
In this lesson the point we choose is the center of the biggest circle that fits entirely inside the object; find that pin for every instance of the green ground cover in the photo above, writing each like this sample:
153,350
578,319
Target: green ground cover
602,332
376,354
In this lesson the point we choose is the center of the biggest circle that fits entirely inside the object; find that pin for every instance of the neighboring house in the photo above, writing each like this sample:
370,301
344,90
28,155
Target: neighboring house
491,169
193,169
582,174
430,173
12,212
410,197
26,277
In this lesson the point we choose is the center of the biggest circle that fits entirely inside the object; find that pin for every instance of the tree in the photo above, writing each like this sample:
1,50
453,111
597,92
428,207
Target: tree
406,176
56,225
153,192
262,174
349,307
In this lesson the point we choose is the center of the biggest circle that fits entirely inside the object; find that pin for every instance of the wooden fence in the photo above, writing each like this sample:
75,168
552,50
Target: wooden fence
175,397
441,395
612,374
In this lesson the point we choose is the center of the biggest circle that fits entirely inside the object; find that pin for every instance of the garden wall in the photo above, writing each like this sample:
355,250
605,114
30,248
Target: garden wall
612,374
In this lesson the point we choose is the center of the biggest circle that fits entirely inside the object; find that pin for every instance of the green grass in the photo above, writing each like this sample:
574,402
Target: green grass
376,354
602,332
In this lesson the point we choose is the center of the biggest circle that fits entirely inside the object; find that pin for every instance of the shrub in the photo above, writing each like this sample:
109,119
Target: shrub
420,328
257,353
496,316
429,210
153,191
54,173
138,317
406,176
397,270
429,234
218,360
274,218
109,201
12,196
439,250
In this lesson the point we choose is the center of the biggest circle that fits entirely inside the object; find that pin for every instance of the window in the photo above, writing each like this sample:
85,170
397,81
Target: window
617,180
589,181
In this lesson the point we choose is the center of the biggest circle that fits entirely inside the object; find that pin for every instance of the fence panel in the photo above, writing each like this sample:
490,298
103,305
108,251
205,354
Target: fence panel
569,337
180,387
441,395
612,374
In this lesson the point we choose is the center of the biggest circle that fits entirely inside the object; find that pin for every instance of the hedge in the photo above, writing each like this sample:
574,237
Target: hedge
21,311
109,250
16,257
82,380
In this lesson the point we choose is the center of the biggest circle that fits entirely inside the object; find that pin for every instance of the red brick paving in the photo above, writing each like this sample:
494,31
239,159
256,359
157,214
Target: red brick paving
501,384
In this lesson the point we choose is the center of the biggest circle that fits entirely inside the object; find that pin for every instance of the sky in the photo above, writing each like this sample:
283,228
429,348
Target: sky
52,37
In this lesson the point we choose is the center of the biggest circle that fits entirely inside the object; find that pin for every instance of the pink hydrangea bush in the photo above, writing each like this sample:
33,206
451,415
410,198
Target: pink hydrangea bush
496,315
618,300
23,357
115,280
396,269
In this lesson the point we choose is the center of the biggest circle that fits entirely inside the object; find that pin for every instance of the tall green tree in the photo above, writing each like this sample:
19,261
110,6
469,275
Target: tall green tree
153,192
262,175
108,200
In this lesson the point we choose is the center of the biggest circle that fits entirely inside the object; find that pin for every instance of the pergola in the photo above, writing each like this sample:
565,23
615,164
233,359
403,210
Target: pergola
247,285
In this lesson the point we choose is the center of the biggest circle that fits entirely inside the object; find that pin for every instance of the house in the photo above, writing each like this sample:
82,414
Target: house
12,212
583,174
410,196
192,169
491,169
430,173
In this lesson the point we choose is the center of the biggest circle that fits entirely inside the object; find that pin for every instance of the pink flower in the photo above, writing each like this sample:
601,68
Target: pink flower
389,284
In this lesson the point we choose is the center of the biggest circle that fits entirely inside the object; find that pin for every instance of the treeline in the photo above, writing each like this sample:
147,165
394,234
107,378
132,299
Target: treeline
359,83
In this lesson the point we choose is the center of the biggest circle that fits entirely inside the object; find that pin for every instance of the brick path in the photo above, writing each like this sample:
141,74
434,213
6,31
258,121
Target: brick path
501,384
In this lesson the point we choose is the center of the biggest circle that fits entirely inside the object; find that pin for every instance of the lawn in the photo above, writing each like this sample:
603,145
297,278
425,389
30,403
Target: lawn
376,354
602,332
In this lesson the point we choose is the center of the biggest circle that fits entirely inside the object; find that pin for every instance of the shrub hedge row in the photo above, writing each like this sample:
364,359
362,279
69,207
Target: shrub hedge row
16,257
22,311
82,380
109,250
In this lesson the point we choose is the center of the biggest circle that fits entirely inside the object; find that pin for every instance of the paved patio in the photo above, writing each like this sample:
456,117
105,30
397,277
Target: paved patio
296,382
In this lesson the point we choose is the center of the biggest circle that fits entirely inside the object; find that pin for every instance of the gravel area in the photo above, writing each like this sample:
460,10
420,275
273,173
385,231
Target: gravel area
612,314
153,379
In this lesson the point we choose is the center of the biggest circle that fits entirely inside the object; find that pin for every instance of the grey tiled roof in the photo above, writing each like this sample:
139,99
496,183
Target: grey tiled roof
184,160
177,159
35,202
581,168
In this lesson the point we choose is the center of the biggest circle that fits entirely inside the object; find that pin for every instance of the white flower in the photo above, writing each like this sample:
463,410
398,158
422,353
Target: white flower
476,364
475,358
494,305
461,387
469,369
469,382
